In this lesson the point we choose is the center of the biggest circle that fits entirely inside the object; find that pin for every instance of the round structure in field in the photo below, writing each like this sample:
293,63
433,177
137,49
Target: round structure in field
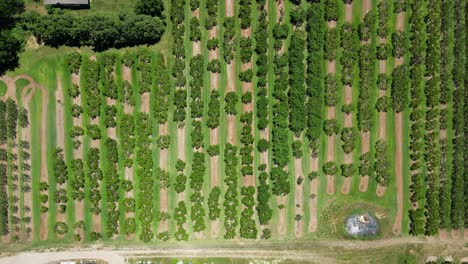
361,225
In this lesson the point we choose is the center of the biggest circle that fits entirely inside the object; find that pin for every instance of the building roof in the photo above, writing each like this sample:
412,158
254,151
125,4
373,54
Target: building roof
66,2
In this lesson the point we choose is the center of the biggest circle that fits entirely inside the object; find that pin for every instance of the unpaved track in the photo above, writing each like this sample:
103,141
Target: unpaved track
331,69
298,199
281,199
316,252
214,133
97,226
26,136
163,164
78,154
348,122
59,117
400,26
314,166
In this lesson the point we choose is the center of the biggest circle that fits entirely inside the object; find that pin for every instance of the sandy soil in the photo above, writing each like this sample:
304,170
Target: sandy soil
366,6
399,171
383,125
229,8
145,102
282,215
400,25
349,12
26,136
330,184
298,172
380,190
127,73
196,46
181,143
382,66
331,67
279,10
346,187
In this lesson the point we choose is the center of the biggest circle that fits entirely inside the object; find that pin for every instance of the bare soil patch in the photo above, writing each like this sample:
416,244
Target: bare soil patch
299,210
366,6
145,102
59,117
282,215
279,10
330,184
26,136
348,12
229,8
380,191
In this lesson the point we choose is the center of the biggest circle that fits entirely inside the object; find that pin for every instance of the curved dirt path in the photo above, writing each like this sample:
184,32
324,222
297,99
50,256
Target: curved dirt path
44,175
400,26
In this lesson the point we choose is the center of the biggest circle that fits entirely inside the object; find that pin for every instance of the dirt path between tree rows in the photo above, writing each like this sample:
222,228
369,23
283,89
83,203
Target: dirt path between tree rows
298,199
348,122
26,136
214,133
400,26
78,154
59,117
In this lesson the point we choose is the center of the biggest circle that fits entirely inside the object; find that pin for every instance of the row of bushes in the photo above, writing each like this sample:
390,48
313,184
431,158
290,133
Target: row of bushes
245,10
349,54
261,49
264,211
248,228
112,187
197,176
460,148
94,176
178,69
180,216
446,97
101,31
4,199
297,91
61,178
418,187
315,73
231,199
366,75
90,90
163,90
229,39
144,170
431,139
280,131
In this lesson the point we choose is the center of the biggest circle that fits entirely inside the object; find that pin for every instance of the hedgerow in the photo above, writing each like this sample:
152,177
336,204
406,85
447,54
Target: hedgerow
297,91
381,164
197,211
417,49
94,176
315,73
261,37
4,200
91,91
349,54
231,200
145,175
112,187
458,209
432,91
